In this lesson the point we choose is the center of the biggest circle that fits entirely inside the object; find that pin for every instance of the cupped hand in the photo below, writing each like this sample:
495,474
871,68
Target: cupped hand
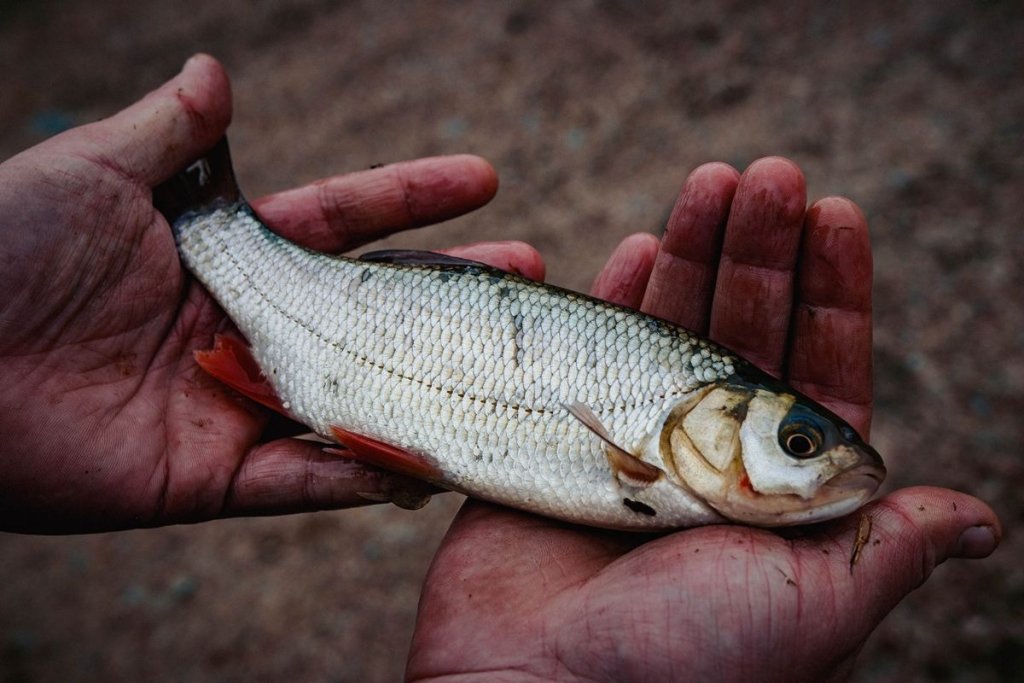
511,596
105,419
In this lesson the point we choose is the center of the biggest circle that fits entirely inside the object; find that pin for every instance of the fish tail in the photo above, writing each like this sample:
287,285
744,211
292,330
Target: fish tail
206,183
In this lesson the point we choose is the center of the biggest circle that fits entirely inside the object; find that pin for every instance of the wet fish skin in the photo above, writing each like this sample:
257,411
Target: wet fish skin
475,370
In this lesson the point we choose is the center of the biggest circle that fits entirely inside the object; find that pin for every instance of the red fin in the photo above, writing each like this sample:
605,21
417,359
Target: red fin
386,456
232,363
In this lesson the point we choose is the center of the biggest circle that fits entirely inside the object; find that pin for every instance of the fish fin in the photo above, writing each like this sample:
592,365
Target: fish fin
407,500
208,181
413,257
312,436
403,492
231,362
626,467
384,455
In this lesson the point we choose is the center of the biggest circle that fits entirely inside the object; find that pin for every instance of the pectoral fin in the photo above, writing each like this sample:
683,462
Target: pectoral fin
626,467
232,363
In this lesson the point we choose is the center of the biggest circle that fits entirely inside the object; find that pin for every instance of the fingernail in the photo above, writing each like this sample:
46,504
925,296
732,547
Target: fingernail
975,542
189,63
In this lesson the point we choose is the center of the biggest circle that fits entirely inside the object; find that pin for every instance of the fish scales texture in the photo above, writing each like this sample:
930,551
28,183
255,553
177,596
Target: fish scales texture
464,365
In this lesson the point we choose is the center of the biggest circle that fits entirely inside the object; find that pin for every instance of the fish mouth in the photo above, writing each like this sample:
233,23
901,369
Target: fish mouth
837,497
864,477
850,489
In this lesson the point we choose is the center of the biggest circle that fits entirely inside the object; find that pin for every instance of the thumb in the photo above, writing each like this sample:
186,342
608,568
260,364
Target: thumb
154,138
880,555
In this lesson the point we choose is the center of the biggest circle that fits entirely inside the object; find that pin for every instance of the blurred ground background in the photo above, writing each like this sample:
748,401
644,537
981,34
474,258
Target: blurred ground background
593,114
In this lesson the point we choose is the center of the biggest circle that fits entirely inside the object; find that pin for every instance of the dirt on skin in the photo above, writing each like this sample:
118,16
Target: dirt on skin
593,113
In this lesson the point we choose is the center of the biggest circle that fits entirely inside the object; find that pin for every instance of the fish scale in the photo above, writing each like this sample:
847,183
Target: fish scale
434,347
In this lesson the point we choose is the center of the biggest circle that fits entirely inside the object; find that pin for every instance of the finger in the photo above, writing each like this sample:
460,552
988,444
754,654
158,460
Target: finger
754,288
624,277
518,258
289,475
154,138
912,531
343,212
830,354
683,280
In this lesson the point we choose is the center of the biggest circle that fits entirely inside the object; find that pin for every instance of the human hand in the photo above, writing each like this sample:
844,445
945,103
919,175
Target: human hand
511,596
106,421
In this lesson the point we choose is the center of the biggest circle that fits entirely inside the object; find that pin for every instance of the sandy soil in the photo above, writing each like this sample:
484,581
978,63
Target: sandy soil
593,113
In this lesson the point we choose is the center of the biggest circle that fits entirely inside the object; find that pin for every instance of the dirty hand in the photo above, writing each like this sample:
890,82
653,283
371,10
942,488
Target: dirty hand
106,421
513,596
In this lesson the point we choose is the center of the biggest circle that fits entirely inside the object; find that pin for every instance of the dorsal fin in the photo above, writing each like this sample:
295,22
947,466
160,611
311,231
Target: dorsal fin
413,257
624,464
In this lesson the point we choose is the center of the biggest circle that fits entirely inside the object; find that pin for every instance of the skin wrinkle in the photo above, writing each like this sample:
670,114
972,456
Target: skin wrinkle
731,600
852,384
703,265
198,122
832,609
100,157
826,618
577,604
820,389
309,480
411,215
90,292
770,284
188,317
750,589
332,218
826,270
770,578
672,268
779,236
688,259
624,280
86,381
498,675
796,568
911,533
610,642
561,659
229,499
765,271
823,620
698,221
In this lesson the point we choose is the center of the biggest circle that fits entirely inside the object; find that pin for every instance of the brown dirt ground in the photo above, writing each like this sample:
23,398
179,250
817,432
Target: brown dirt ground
593,113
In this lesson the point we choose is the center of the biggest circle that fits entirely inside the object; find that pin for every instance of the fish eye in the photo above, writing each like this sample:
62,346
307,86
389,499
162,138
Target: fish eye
800,439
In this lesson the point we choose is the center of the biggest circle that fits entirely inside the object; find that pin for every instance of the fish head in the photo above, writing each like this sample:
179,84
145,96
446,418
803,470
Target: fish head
760,453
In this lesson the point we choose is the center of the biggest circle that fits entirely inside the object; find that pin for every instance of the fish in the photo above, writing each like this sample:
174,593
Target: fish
505,389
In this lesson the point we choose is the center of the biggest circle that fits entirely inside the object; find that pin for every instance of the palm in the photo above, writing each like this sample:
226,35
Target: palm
512,596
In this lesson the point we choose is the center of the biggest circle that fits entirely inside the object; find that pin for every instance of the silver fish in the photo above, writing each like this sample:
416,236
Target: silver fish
510,390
